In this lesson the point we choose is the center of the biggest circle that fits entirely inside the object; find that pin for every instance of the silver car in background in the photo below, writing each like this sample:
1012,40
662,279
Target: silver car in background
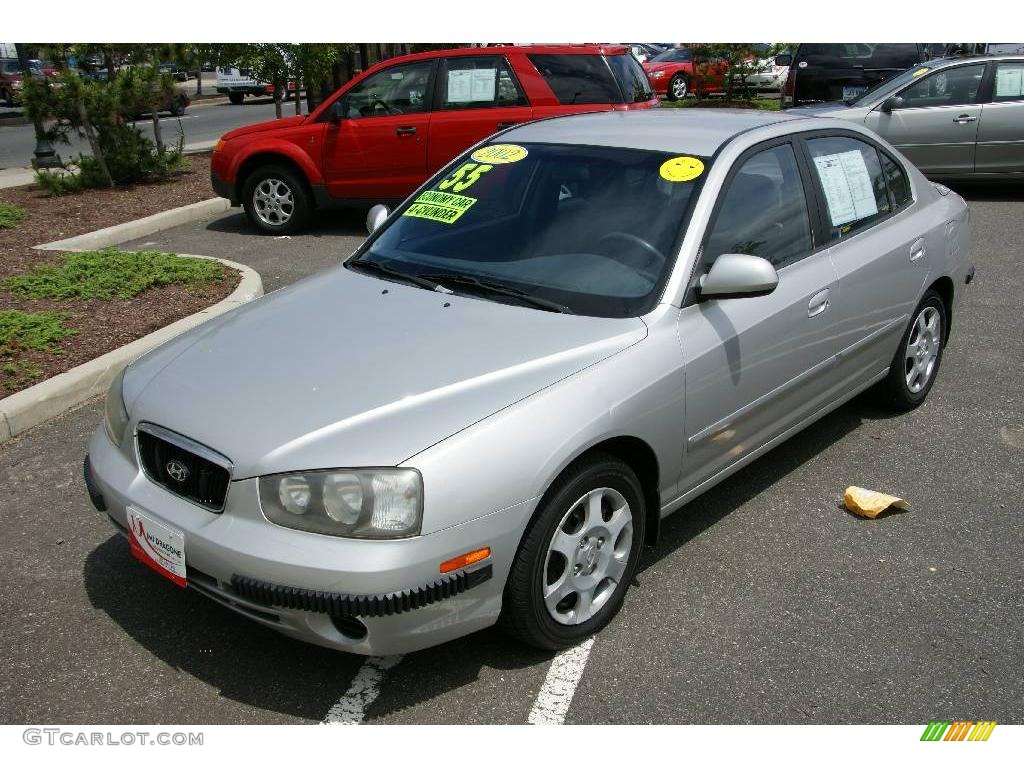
959,118
568,333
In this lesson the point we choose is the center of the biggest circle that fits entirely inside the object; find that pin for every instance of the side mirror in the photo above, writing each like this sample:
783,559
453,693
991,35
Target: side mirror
893,102
337,112
376,217
784,60
734,275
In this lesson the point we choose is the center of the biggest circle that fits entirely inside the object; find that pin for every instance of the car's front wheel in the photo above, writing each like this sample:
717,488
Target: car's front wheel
678,87
236,98
916,364
276,200
578,555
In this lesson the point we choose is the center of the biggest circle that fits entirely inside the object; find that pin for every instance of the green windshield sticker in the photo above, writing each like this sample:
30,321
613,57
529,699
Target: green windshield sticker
440,206
464,177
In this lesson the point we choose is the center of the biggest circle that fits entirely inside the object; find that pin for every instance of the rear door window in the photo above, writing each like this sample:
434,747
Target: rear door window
632,78
852,181
868,55
476,82
578,78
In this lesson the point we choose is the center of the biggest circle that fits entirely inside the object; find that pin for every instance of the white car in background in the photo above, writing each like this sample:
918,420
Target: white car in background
767,74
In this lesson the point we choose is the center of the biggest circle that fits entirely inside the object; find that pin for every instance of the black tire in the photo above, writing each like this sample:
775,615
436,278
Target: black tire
681,82
7,98
177,108
236,98
302,204
524,613
894,391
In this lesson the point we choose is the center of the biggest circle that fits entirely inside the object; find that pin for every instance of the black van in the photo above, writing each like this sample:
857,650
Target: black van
841,71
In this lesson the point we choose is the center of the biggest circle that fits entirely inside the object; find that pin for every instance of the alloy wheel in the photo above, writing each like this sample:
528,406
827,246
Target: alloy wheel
922,349
273,202
587,556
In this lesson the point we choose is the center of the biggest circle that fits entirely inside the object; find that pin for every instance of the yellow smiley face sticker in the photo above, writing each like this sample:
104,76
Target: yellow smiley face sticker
681,169
496,154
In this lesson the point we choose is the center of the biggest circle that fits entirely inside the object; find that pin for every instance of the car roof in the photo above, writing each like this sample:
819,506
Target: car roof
500,50
980,58
695,131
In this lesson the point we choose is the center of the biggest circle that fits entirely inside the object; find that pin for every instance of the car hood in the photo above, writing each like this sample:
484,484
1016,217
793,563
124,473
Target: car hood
269,125
831,109
343,369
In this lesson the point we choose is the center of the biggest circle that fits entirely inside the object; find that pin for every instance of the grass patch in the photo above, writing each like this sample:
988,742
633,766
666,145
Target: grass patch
20,331
111,273
10,215
711,102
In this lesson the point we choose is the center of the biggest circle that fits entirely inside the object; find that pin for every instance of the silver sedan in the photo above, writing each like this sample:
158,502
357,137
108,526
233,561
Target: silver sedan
483,414
957,118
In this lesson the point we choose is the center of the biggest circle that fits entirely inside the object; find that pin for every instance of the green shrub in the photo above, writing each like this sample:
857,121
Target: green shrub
111,273
10,215
58,183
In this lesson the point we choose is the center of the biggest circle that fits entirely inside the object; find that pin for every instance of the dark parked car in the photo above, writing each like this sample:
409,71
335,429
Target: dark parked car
843,71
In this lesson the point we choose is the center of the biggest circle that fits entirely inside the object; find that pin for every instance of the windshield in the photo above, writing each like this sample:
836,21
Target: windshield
673,54
592,230
893,84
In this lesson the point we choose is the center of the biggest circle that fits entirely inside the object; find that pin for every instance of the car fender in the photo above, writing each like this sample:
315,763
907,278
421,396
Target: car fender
516,454
271,146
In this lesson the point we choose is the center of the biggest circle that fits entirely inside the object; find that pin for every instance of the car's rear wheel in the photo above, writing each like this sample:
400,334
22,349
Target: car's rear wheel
916,364
276,200
678,87
6,98
578,555
236,98
177,107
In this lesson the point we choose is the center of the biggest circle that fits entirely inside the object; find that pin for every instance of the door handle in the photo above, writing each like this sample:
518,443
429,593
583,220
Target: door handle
963,119
917,250
506,124
819,303
406,130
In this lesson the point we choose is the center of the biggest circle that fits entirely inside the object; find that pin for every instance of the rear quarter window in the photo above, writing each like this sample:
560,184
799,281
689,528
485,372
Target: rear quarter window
632,78
578,78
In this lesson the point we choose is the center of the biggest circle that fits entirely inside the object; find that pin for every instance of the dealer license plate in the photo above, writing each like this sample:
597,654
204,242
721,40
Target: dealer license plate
159,546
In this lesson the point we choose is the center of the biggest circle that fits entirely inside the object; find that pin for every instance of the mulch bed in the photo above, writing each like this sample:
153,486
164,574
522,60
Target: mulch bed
101,325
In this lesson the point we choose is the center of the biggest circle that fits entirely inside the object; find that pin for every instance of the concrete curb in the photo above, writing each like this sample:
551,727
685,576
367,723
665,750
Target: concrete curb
131,230
31,407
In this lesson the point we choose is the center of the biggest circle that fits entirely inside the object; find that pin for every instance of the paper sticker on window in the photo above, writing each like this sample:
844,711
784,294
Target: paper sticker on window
1009,82
847,184
921,71
500,153
440,206
681,169
469,85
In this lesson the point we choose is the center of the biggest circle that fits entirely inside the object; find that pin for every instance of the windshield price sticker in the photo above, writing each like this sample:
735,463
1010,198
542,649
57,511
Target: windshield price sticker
440,206
681,169
464,177
921,71
497,154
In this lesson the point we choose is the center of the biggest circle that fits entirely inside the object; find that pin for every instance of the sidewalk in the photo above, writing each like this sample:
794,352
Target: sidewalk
20,177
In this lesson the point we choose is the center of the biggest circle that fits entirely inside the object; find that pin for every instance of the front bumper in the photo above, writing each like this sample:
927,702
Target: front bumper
369,597
223,188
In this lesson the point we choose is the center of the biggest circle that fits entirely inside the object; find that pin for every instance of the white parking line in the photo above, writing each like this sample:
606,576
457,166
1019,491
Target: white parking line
351,708
555,696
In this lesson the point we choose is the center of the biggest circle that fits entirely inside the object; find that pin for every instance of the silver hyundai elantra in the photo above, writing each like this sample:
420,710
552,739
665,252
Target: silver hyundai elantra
484,413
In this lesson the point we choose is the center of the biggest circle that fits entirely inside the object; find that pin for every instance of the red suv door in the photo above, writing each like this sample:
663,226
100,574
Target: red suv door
475,96
378,150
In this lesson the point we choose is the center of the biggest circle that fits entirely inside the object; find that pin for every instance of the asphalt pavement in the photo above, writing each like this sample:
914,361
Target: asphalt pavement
764,602
203,121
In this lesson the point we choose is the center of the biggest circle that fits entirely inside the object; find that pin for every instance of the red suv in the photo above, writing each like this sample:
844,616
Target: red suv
384,132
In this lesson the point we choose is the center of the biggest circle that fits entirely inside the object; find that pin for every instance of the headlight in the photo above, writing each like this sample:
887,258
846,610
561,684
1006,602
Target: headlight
116,417
355,503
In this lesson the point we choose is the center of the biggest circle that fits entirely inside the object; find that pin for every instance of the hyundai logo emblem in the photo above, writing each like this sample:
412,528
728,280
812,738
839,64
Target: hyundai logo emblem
177,470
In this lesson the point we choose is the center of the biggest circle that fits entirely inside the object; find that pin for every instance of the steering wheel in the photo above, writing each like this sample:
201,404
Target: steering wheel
390,110
654,256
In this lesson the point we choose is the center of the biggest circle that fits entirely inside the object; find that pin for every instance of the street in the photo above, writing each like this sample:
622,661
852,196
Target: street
203,122
764,602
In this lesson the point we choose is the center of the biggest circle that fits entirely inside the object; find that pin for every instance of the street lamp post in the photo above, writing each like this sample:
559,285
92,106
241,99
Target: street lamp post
45,155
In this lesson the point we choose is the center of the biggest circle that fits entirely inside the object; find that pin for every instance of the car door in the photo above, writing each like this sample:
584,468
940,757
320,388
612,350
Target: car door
475,97
757,366
1001,127
877,247
936,127
378,149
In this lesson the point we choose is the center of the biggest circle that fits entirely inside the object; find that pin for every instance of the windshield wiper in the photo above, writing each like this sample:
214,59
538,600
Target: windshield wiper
382,268
486,286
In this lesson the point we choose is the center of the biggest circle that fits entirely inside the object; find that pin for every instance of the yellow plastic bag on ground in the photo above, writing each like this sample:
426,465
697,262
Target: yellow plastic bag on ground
871,504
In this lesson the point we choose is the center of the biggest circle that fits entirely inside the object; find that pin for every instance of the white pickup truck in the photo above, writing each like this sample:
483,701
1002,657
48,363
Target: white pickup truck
237,85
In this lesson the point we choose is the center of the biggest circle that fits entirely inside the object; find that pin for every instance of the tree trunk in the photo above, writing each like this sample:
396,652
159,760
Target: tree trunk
199,80
278,95
97,153
157,136
364,56
108,62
